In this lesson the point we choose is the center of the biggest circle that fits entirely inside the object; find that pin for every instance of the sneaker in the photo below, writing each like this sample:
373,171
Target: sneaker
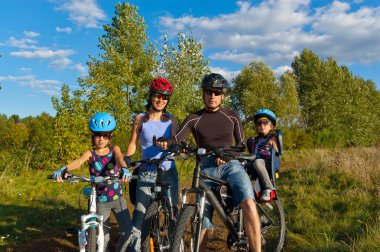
265,196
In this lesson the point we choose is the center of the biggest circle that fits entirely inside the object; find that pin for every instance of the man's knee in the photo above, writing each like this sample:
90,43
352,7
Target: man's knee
248,205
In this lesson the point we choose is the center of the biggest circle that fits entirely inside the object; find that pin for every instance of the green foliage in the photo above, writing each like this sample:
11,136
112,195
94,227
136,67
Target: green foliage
338,109
117,81
257,87
184,66
40,146
71,135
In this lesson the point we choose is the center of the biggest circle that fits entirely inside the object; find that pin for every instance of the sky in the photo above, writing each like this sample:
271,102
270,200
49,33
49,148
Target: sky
46,43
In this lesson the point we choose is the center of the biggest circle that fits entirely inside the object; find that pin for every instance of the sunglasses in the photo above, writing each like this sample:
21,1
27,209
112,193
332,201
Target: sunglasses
105,135
216,92
265,123
161,96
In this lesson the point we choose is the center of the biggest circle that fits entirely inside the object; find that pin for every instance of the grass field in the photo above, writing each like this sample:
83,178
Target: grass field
331,200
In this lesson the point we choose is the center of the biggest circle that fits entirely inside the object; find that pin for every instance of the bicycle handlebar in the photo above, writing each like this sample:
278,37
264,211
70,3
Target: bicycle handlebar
92,179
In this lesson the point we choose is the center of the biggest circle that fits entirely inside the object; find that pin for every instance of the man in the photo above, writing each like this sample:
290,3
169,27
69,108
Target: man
214,126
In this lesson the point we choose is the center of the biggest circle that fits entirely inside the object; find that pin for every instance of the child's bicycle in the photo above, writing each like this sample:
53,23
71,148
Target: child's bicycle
160,218
189,225
90,235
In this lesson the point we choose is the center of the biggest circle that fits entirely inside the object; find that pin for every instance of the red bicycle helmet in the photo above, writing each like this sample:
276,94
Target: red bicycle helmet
161,86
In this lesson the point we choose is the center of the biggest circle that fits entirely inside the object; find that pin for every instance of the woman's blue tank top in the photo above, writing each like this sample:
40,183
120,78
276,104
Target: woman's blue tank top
149,129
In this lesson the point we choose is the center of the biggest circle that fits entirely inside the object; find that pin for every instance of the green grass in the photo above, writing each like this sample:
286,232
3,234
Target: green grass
330,205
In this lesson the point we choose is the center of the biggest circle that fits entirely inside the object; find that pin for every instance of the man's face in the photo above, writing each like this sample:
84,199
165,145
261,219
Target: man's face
213,97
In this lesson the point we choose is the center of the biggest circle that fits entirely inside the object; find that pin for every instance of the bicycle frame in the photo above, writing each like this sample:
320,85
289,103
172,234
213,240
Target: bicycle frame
201,189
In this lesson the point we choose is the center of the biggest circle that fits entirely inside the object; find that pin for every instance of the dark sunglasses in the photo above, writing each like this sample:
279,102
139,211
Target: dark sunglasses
161,96
105,135
263,123
216,92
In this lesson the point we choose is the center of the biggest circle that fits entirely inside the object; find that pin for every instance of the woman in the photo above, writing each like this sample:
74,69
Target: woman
154,122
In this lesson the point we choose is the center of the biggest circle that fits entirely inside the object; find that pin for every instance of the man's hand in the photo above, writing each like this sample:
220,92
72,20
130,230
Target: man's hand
219,161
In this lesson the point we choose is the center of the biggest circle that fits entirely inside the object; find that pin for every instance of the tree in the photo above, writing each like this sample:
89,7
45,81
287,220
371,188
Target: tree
184,66
41,148
338,108
71,135
117,81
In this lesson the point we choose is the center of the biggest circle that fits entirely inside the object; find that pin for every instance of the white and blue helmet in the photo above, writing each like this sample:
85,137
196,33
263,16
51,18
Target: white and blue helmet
102,122
265,113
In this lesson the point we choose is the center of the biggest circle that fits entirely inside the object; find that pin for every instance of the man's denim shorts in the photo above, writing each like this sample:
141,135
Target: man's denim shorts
237,179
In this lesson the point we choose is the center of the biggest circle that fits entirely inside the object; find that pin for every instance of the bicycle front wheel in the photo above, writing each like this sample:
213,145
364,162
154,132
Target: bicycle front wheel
91,240
186,230
157,228
272,220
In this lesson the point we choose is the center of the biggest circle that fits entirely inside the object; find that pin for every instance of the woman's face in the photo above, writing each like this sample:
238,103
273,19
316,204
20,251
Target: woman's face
159,101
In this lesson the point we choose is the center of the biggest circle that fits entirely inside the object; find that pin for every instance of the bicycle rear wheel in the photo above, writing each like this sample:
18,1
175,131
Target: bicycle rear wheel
272,220
187,223
157,228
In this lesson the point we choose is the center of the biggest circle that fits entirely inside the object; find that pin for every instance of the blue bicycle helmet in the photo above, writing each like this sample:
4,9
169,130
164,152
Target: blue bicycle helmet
265,113
102,122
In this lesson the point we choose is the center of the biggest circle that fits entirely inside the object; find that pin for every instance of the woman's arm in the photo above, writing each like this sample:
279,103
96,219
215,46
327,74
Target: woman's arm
131,149
119,157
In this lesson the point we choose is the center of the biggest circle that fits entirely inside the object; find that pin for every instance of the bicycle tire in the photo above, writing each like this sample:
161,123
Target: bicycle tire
91,240
155,230
186,230
272,221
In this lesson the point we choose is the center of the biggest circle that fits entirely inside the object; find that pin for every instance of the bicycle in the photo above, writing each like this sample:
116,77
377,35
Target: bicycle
161,215
90,235
189,225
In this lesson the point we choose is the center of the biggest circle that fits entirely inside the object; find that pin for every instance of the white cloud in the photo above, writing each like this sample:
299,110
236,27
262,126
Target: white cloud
84,13
281,69
46,86
65,29
83,70
42,53
229,75
60,63
24,43
25,69
274,31
31,34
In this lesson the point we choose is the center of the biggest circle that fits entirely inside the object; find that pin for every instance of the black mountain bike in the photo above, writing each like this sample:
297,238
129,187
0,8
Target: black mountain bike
160,218
189,225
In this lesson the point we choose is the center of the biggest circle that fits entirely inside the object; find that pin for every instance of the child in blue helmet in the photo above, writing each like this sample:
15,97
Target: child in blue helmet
104,160
265,122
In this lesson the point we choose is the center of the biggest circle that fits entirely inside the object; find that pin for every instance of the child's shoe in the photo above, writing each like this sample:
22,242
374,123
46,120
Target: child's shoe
265,196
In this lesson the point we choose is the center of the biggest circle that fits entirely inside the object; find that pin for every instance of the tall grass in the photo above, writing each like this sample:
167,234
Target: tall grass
331,199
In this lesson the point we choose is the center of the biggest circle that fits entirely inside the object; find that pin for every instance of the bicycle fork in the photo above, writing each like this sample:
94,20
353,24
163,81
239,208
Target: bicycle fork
91,220
200,204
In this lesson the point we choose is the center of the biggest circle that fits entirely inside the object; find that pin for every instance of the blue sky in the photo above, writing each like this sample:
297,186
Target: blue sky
46,43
